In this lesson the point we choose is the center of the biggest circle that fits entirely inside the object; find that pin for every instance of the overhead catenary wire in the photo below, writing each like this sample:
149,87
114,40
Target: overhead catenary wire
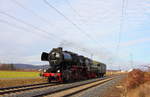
25,29
77,13
29,25
19,20
33,12
39,29
74,24
74,10
37,15
98,44
43,20
69,20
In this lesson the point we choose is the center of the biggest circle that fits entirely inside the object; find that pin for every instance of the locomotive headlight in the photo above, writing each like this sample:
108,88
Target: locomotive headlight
44,70
58,71
57,55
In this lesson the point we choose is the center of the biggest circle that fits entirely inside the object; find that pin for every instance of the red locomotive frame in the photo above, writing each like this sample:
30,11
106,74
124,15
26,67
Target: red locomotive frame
75,75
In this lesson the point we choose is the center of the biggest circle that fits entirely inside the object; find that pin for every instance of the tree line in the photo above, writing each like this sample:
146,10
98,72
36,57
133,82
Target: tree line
7,67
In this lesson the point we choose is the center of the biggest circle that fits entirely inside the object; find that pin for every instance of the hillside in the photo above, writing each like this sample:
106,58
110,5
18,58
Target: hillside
22,66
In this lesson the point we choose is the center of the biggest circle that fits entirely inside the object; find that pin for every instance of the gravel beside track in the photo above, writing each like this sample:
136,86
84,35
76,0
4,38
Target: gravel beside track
78,89
99,90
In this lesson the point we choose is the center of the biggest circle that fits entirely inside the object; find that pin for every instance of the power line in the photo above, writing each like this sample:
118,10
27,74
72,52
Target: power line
22,28
34,13
70,21
59,12
73,8
31,11
82,22
76,12
30,25
75,25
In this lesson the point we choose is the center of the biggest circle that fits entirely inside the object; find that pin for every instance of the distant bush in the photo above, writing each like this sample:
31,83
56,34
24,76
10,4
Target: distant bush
7,67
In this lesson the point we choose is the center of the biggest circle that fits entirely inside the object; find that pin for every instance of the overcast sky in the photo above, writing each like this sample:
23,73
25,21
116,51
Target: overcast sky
29,27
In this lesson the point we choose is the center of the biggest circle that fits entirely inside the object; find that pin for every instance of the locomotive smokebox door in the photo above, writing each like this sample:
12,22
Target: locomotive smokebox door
44,56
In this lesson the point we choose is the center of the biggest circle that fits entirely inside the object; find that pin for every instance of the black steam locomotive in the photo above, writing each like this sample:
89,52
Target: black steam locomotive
68,66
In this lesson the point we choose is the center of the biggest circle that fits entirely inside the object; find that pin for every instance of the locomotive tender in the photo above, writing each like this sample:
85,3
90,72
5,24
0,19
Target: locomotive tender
68,66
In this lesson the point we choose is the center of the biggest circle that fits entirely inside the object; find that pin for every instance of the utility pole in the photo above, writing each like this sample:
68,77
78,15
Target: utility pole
91,56
131,60
119,68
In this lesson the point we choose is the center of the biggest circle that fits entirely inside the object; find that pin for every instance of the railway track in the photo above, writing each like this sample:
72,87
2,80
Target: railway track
70,91
14,89
53,90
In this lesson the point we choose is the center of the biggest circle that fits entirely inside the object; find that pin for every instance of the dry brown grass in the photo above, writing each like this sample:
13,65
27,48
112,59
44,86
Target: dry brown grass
137,84
141,91
18,82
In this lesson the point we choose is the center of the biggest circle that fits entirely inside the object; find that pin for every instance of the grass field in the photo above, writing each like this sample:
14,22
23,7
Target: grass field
18,74
28,74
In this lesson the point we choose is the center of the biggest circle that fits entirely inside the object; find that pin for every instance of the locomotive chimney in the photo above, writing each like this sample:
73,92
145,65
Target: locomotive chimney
60,48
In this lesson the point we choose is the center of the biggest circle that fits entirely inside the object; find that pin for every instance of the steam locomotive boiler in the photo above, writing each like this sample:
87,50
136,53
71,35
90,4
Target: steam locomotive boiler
68,66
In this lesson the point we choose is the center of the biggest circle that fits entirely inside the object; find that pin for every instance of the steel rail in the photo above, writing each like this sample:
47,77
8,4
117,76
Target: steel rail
23,88
67,88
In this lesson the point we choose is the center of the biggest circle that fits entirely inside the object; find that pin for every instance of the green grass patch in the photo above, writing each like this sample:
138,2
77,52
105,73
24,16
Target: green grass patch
18,74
